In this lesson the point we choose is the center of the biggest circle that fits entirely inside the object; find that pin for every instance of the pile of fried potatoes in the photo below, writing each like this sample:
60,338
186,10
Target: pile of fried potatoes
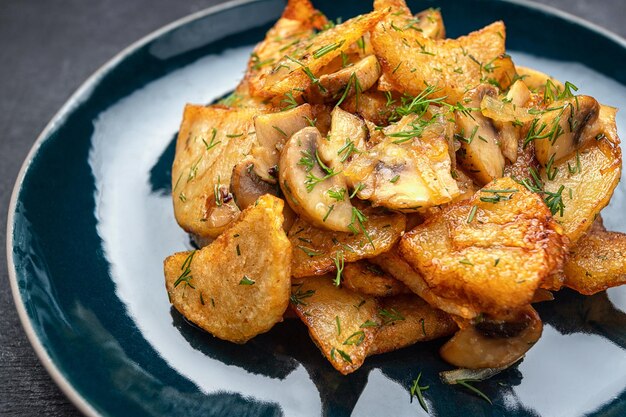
390,185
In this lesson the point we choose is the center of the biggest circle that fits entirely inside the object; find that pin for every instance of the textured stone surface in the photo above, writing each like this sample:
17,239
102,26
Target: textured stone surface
47,49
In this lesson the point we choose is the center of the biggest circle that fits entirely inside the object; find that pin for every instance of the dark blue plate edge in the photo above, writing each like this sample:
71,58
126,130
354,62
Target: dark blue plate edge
82,93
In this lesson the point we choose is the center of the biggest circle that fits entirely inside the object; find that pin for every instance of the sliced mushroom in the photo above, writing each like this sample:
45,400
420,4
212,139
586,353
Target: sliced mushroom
347,136
246,187
410,169
272,131
314,190
490,343
219,209
346,82
508,113
557,132
480,152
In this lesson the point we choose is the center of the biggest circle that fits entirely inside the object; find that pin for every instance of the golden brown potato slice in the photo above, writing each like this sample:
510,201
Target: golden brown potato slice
211,141
392,263
297,23
429,23
238,286
582,185
369,279
407,319
597,261
490,253
493,343
341,323
410,169
302,64
317,251
453,66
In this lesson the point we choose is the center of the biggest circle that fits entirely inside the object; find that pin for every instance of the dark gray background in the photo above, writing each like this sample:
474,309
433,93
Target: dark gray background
47,49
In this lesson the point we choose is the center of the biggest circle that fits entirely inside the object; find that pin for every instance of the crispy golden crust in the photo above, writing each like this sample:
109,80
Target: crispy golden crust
300,65
493,260
368,279
337,320
209,288
315,250
211,141
420,322
597,261
454,66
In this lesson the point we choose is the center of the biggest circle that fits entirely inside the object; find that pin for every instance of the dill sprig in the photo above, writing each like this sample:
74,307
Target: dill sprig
417,391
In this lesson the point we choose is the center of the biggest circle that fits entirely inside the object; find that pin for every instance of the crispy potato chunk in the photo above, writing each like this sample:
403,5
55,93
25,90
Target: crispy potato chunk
369,279
296,25
392,263
454,66
317,250
409,320
239,285
490,253
586,180
211,141
341,323
371,105
597,261
303,64
429,23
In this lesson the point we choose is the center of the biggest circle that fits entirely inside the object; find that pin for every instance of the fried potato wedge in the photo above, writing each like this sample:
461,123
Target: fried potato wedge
211,141
454,66
341,323
586,180
392,263
369,279
371,105
429,22
490,253
303,64
597,261
315,251
297,24
410,320
239,285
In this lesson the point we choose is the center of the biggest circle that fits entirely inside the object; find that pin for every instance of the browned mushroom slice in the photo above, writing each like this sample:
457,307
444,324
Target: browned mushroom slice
346,82
347,137
490,343
372,105
315,191
272,131
557,133
508,114
246,186
480,152
410,169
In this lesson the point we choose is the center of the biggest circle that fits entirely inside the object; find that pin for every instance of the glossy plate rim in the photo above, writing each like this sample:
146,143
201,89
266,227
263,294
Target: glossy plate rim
83,91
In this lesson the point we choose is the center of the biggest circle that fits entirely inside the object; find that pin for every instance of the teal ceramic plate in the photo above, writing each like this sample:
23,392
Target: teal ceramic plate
91,221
